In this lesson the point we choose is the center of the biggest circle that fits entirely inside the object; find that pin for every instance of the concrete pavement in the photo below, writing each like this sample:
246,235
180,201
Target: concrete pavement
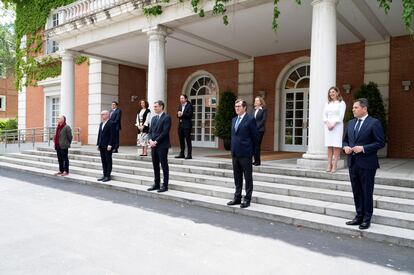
53,227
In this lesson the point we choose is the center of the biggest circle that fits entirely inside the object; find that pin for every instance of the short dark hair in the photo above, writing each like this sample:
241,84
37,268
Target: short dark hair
160,103
243,102
185,96
145,102
363,102
115,102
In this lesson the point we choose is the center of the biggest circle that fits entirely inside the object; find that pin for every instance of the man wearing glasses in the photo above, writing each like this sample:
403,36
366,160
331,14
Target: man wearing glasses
243,141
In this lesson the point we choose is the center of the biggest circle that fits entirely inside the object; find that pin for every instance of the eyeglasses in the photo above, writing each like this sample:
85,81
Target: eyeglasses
237,106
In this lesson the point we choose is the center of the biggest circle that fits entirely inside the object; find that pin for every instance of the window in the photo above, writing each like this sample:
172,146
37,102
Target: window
51,46
55,110
2,103
55,19
299,78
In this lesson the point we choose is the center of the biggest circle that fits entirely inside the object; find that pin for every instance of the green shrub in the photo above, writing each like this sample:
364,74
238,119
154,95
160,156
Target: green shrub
376,107
224,114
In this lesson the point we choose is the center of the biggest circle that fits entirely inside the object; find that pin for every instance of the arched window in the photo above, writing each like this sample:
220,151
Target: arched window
298,78
203,91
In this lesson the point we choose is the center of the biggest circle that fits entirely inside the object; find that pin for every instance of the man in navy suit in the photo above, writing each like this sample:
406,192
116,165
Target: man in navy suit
185,115
105,145
115,116
243,143
363,138
159,140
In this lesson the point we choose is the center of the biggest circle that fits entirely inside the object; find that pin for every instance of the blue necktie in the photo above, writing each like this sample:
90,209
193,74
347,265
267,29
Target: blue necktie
356,129
237,123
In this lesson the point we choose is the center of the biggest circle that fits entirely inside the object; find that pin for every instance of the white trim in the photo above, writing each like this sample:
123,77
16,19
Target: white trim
278,96
3,103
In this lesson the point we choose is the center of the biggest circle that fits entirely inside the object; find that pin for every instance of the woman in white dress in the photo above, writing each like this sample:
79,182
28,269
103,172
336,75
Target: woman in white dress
143,123
333,116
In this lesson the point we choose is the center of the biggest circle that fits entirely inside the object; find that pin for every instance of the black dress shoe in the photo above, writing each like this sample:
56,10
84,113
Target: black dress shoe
245,204
180,157
154,187
188,157
355,221
364,225
101,179
256,163
115,151
106,179
234,202
162,189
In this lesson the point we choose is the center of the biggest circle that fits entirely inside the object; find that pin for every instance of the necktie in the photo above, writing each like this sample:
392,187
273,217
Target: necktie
237,123
156,118
357,126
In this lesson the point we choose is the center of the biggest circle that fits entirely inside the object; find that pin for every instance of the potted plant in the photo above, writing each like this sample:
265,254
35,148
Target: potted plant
376,107
224,114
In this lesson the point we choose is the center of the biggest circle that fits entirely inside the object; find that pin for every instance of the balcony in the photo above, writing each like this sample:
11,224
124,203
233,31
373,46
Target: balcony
84,8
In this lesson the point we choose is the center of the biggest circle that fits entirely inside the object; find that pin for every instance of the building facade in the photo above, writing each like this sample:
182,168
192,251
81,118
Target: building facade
318,44
8,99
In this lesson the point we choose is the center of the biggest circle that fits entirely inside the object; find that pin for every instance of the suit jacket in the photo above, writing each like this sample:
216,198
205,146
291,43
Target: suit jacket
115,117
185,120
65,137
260,119
244,140
371,136
106,136
160,131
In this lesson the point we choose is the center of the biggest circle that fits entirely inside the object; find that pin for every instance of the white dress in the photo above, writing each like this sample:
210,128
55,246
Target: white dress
334,111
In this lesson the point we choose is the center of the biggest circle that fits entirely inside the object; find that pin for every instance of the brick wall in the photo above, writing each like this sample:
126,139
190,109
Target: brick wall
81,99
401,115
35,108
350,70
226,74
132,82
7,88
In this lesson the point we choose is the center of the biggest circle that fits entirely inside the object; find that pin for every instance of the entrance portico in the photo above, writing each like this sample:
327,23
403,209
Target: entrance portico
178,39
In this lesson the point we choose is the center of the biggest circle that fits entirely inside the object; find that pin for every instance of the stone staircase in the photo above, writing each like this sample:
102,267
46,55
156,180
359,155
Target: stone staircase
312,199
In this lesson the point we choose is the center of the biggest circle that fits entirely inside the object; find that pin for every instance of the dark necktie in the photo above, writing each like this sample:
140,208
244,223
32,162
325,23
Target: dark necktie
356,129
156,118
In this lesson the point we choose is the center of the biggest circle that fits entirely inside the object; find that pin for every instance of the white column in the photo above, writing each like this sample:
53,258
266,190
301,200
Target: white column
156,64
322,76
67,90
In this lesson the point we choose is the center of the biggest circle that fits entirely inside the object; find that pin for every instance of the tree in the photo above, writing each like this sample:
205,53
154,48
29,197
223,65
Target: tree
7,42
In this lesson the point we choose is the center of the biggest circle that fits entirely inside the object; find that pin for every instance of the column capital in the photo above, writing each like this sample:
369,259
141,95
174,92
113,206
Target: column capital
316,2
158,32
67,54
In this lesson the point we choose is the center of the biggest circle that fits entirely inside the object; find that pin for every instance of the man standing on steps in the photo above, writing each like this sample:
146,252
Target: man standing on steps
363,138
244,138
105,145
115,117
185,115
159,141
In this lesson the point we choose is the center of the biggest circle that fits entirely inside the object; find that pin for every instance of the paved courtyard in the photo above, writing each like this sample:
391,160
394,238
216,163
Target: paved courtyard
53,227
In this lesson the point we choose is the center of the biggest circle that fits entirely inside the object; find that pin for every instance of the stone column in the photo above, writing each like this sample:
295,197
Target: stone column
322,76
156,64
67,90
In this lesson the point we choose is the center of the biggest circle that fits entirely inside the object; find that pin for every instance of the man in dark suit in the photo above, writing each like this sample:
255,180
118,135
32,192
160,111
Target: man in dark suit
159,140
243,143
115,117
363,138
260,114
105,145
185,114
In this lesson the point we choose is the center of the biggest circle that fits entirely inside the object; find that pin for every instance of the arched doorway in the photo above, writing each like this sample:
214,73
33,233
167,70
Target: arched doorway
202,93
295,109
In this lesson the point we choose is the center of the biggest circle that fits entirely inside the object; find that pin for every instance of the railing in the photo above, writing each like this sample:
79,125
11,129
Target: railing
83,8
32,135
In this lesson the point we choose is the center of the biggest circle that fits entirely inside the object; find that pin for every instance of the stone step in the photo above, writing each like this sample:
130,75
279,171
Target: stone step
266,169
394,235
330,195
380,190
382,216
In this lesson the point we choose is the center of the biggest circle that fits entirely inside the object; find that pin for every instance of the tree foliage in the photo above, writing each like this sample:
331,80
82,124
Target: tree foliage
7,45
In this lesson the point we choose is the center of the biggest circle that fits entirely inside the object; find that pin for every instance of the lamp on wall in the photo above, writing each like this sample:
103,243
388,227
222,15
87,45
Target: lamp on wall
406,84
134,98
347,88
